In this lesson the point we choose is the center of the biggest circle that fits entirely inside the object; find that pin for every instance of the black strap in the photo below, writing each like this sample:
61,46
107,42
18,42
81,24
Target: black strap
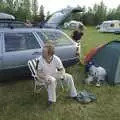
37,62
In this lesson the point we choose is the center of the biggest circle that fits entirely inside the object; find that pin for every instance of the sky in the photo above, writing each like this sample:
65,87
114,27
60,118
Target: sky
54,5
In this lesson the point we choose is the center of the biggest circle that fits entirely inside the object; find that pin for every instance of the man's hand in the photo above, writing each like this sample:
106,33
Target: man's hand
48,81
41,74
61,70
60,73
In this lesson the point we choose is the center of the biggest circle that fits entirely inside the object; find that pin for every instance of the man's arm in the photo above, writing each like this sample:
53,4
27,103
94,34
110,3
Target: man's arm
43,77
60,68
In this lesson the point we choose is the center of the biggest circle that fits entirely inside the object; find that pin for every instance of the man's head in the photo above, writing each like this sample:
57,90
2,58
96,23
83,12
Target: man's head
48,50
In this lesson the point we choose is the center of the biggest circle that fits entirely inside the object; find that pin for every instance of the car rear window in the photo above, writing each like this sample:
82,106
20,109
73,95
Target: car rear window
58,38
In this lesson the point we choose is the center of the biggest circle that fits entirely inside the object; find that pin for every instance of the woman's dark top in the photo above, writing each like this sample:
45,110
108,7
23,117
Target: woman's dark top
77,35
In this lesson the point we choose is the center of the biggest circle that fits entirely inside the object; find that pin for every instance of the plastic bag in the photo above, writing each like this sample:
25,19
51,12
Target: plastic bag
86,97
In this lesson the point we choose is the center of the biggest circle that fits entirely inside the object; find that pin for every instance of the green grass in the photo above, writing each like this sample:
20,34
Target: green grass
92,38
17,101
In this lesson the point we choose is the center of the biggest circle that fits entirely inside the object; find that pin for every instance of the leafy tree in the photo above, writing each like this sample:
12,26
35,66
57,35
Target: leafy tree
88,17
111,14
34,7
100,12
118,13
26,9
48,15
2,5
42,15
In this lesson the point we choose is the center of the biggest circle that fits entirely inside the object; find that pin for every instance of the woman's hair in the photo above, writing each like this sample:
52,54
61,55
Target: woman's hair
50,47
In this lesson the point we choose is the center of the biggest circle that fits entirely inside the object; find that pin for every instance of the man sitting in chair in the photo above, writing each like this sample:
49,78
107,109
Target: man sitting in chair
49,67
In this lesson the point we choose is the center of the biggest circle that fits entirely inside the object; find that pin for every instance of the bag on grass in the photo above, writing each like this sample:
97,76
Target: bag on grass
86,97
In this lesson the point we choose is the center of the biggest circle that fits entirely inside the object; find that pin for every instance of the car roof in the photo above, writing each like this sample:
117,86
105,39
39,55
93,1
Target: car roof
26,29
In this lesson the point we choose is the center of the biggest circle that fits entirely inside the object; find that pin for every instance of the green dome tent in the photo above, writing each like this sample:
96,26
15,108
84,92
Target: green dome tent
108,57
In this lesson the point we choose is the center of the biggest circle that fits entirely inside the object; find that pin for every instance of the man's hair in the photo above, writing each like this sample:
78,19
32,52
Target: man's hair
50,47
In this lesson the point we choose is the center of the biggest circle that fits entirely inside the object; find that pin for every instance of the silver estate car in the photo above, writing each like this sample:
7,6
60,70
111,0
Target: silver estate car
19,45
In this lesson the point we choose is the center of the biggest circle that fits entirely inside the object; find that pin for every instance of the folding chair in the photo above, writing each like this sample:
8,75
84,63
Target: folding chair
38,85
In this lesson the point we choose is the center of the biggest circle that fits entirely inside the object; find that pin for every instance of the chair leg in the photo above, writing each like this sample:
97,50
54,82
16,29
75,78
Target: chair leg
35,87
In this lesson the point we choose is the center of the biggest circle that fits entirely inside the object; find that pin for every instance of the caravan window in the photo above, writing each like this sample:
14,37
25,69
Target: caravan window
112,25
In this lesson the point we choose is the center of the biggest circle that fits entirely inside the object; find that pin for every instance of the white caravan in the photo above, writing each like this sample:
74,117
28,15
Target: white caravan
73,24
109,26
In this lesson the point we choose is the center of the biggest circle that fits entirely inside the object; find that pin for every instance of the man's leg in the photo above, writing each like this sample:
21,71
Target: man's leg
52,89
70,83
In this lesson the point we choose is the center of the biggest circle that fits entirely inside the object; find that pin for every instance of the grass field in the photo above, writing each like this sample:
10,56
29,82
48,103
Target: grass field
17,101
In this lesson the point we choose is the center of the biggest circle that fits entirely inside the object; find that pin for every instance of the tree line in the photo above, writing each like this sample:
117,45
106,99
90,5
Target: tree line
23,9
97,14
29,9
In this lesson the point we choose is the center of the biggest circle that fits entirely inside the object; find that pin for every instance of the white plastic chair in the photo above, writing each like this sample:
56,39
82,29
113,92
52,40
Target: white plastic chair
38,85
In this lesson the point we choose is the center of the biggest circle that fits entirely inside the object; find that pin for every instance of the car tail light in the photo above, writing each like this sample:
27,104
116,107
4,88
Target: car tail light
78,51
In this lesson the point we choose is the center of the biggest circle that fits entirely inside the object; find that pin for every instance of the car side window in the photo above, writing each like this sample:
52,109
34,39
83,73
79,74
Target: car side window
20,41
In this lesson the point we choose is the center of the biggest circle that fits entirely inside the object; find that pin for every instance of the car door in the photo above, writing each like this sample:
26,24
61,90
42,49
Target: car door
0,51
19,48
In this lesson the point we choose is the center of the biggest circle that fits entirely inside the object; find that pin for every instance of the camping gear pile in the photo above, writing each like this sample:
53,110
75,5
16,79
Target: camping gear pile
96,74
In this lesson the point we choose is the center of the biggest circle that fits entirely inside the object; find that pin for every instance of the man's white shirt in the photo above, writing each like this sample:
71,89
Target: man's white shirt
50,68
